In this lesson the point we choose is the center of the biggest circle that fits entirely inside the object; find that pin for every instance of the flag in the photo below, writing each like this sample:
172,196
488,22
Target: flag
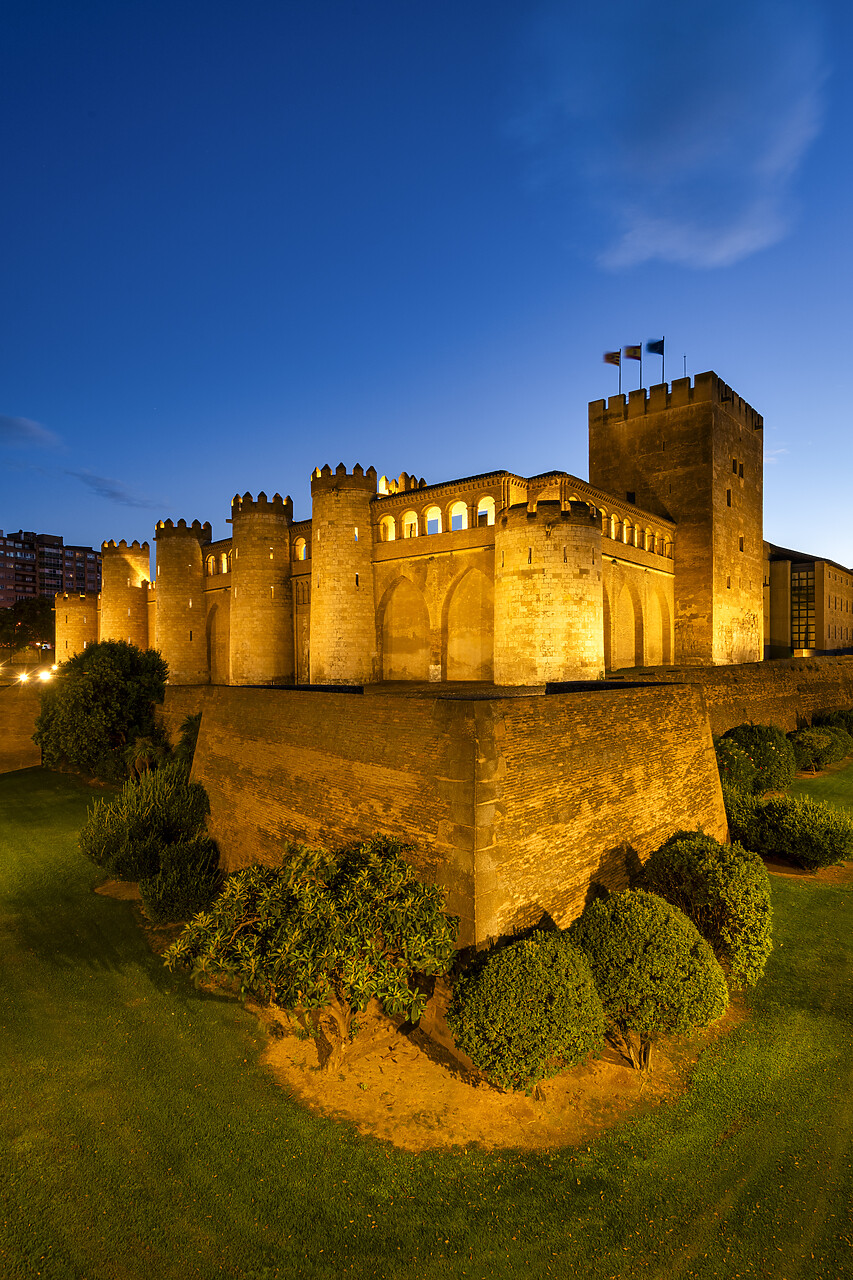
613,357
634,353
655,348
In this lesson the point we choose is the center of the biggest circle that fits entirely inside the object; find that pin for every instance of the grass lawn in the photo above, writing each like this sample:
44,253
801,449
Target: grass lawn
836,785
143,1139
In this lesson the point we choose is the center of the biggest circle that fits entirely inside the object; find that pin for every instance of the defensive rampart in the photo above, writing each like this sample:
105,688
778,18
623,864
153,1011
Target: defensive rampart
516,804
19,706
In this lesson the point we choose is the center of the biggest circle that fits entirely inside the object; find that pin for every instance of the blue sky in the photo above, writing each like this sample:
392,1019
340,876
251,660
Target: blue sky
242,240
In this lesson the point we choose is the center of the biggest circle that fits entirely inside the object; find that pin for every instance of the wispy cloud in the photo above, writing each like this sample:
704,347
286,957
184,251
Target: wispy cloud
682,140
23,433
113,490
772,456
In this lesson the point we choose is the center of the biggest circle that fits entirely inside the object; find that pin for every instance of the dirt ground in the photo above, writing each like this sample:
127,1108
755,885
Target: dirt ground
405,1089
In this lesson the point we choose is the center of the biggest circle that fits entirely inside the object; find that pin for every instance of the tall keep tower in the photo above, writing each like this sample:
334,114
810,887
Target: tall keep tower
125,571
549,622
180,628
694,454
261,591
343,618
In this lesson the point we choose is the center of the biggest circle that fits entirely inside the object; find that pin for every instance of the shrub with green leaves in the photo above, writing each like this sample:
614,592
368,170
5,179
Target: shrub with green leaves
187,881
325,933
654,972
127,835
815,748
770,752
811,833
527,1010
842,719
184,750
735,765
725,890
100,702
742,810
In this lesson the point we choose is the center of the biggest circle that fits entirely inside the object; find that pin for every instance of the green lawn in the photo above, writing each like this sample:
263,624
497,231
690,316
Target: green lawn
143,1139
836,786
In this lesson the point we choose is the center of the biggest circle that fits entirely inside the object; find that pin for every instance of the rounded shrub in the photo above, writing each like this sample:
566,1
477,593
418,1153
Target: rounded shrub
814,748
770,752
811,833
840,719
187,881
742,811
527,1010
735,765
654,972
725,890
127,834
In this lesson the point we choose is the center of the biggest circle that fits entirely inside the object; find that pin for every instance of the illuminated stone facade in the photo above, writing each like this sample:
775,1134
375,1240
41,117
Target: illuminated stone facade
496,578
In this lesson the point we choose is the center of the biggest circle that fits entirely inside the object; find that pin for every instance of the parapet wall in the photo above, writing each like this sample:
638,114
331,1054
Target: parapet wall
19,707
786,693
516,804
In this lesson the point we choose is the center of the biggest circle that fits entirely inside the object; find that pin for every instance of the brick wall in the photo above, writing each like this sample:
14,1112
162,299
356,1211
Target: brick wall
19,706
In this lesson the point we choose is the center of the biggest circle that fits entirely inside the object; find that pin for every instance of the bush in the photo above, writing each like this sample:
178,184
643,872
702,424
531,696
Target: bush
127,835
324,934
811,833
100,702
814,748
653,971
842,737
526,1010
725,890
742,811
840,719
735,765
187,882
770,752
185,747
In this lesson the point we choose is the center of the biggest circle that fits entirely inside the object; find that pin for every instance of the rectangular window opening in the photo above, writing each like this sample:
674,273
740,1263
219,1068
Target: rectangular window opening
740,471
728,497
191,635
530,555
740,543
356,579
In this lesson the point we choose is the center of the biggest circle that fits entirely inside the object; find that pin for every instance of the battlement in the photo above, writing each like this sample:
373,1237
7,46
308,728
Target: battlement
706,388
262,505
549,510
112,545
324,479
403,484
77,597
167,529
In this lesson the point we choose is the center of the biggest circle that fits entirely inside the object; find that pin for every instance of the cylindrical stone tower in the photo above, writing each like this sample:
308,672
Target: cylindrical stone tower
343,616
125,571
549,612
76,623
180,631
261,594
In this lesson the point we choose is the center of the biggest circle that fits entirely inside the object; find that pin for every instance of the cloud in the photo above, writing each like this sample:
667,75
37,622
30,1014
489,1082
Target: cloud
22,433
772,456
682,139
113,490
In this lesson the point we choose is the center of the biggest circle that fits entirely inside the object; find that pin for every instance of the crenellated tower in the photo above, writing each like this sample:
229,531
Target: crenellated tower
180,627
694,453
76,623
125,571
549,622
343,617
261,643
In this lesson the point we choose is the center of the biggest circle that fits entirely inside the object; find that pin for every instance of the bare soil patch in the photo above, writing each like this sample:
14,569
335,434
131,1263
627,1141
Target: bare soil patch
407,1090
826,875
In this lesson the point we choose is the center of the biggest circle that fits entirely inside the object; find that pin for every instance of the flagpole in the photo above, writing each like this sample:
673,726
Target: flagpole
663,359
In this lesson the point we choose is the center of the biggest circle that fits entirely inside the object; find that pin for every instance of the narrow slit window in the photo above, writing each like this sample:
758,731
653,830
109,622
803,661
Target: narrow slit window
356,579
728,497
530,555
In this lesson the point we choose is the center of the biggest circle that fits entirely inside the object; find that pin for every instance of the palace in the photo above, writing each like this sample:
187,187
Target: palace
658,560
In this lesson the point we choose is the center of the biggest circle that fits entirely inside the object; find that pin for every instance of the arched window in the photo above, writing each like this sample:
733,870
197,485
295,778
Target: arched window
224,562
410,525
300,549
433,520
211,566
229,561
387,529
459,516
486,511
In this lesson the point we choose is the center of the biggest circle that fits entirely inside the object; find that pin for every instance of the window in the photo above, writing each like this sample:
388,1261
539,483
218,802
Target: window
459,516
728,497
740,542
740,471
734,465
410,525
433,520
300,549
486,511
387,529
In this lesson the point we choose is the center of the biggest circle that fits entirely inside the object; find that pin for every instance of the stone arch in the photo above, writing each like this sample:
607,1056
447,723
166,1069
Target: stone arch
218,643
405,632
627,629
608,633
469,628
654,629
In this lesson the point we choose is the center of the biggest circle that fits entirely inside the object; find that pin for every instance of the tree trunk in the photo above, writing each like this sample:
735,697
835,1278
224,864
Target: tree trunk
645,1053
337,1018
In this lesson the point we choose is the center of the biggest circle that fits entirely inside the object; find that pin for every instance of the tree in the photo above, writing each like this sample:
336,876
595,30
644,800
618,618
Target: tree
29,621
325,933
724,889
100,701
654,973
524,1008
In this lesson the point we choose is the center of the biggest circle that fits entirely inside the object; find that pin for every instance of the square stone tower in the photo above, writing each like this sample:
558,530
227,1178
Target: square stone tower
694,453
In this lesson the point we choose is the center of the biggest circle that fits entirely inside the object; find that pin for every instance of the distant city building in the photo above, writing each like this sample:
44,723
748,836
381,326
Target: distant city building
40,564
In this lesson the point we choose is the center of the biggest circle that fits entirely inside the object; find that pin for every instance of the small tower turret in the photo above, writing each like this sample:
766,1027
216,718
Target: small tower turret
343,617
125,571
261,641
76,623
549,619
180,631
